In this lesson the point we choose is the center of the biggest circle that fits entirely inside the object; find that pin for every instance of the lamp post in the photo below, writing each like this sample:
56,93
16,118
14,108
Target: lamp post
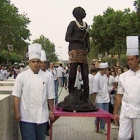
9,48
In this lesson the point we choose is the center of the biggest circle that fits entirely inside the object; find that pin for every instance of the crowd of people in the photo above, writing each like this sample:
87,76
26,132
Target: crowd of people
60,77
106,89
10,71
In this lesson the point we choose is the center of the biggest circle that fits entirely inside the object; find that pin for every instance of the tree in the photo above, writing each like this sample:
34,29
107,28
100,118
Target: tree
13,27
109,31
49,48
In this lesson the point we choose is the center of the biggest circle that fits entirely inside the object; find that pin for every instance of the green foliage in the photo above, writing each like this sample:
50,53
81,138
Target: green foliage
109,31
123,60
13,27
111,61
12,58
49,48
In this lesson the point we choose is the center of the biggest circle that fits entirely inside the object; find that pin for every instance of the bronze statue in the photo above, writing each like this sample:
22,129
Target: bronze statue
79,47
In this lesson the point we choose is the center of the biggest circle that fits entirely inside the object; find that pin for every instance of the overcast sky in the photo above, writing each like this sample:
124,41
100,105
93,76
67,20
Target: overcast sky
51,17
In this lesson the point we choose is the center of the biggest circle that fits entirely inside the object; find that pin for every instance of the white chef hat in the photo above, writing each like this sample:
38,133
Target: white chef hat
34,51
132,45
43,56
103,65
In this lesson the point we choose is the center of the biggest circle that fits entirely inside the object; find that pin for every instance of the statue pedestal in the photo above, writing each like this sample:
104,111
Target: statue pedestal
77,102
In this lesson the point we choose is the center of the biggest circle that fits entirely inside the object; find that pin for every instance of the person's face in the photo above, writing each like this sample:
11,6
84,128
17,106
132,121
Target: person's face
116,69
119,71
92,66
107,72
125,69
103,71
34,64
113,74
133,62
43,65
51,65
79,70
93,73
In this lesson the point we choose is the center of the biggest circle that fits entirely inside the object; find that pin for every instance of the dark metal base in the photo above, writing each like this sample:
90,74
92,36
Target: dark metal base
77,101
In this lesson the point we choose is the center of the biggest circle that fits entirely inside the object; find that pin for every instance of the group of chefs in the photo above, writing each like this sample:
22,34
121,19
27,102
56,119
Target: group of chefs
35,86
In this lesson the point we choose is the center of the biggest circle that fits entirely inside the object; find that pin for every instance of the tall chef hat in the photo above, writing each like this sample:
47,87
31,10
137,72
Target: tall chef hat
103,65
132,43
43,56
34,51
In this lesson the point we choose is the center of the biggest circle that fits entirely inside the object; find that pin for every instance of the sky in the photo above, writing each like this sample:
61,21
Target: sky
51,17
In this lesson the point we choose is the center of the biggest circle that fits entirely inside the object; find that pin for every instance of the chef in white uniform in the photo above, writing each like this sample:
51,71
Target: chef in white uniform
129,94
31,90
91,77
100,90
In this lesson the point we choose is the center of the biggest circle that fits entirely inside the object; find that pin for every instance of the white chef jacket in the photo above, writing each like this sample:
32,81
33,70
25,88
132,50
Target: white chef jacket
34,90
91,83
59,72
117,78
101,88
111,80
129,86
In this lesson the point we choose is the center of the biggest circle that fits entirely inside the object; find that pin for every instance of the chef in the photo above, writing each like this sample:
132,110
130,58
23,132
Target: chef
31,90
43,66
100,92
129,94
91,77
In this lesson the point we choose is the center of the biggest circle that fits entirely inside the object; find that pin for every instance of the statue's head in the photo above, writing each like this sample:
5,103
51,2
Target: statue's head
79,12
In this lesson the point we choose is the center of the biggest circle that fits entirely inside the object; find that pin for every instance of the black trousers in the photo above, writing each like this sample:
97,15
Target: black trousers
72,77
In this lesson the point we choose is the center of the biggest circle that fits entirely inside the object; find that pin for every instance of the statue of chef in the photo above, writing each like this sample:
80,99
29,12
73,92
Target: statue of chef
32,89
129,94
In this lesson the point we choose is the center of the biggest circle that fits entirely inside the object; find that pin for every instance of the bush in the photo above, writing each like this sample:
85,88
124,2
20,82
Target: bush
123,60
13,57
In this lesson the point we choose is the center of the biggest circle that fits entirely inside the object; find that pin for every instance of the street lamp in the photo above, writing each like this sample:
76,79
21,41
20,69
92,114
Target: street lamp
10,48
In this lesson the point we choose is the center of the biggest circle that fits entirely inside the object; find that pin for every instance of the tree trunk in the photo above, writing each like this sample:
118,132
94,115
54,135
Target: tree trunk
119,59
7,56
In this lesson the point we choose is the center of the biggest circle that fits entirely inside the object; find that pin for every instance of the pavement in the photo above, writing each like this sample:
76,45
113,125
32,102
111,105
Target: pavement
77,128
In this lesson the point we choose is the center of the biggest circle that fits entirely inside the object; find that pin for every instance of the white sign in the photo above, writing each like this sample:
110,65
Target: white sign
10,47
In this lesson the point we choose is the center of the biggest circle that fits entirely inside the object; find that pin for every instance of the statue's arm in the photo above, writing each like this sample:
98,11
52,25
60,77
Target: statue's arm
69,33
88,42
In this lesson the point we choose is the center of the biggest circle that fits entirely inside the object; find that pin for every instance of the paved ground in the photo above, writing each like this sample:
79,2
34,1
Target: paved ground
77,128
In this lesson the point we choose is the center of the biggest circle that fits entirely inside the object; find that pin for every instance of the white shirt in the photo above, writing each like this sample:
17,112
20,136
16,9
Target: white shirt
78,80
34,90
101,88
111,80
117,78
1,78
129,86
59,72
54,73
91,83
4,74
